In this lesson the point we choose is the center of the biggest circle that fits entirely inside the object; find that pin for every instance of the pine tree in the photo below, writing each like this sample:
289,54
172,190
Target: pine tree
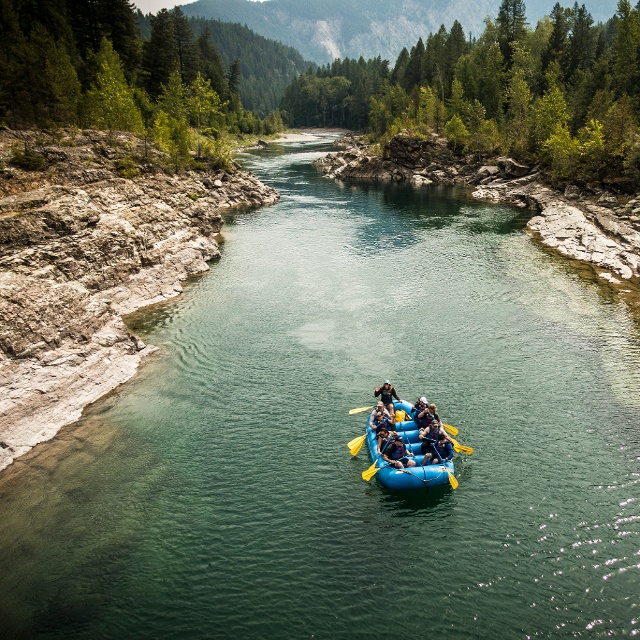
52,81
118,24
204,104
625,49
233,81
185,46
550,112
160,54
581,45
398,75
560,19
413,71
173,98
511,22
455,47
212,65
110,103
15,102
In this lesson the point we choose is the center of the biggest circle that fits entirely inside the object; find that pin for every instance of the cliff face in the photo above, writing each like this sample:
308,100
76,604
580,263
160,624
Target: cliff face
591,225
79,247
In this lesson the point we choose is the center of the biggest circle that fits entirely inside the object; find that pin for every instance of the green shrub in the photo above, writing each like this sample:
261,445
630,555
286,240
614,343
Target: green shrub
126,168
27,160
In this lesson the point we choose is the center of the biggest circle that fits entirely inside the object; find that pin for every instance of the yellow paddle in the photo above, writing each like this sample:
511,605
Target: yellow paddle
452,479
359,410
356,444
450,429
370,472
460,448
355,441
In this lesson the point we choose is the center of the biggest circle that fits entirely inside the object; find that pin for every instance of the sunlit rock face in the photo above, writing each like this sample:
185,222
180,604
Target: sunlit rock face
80,246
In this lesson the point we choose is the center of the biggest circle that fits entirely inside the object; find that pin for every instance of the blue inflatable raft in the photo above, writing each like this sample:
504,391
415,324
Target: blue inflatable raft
417,477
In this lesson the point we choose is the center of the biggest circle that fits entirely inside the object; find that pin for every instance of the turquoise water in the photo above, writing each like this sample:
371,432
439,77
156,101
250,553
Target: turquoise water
214,496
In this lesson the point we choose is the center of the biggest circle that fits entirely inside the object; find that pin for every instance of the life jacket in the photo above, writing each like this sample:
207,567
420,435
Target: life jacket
426,419
432,433
398,451
380,422
442,450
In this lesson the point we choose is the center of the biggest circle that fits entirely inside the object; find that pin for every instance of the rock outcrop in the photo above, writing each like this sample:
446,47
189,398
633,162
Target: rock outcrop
595,227
80,246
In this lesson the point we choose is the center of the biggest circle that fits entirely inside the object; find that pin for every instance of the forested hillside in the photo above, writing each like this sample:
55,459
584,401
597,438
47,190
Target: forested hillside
565,93
267,67
74,63
323,30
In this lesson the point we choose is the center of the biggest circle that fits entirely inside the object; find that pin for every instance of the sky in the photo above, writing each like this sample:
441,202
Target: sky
153,6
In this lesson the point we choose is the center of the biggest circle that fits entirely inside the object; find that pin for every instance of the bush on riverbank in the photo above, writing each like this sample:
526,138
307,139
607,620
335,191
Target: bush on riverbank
563,94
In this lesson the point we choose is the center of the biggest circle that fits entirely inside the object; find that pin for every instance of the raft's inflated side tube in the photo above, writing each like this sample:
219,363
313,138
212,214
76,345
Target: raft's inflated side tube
417,477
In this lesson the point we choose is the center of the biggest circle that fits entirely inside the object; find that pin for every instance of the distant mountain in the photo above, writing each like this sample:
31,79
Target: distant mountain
267,66
326,29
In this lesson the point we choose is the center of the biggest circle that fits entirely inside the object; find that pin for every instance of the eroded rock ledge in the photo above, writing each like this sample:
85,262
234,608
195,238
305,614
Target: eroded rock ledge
591,225
80,246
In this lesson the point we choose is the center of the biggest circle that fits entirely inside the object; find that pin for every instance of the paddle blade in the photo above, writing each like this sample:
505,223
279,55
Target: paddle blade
355,441
354,450
460,448
359,410
370,472
452,480
450,429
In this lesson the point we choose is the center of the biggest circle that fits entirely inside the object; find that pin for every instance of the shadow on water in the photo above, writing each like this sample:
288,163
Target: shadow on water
409,213
413,502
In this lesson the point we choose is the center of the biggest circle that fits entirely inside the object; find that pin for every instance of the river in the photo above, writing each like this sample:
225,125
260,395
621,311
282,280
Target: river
214,496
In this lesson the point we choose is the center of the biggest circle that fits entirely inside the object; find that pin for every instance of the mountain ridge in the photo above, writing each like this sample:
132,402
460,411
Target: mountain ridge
323,30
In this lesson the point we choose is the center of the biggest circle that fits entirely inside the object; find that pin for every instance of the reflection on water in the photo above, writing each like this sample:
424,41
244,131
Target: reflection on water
214,496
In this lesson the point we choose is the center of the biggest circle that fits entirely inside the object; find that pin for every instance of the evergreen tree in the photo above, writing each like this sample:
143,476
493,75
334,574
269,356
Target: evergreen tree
185,46
160,54
455,47
625,49
110,103
398,75
52,81
550,114
581,45
204,104
560,19
173,137
233,82
511,22
173,98
212,65
118,24
413,71
491,74
15,107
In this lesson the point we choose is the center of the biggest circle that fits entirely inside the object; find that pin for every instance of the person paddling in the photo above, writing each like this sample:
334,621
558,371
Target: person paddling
397,454
441,452
387,393
430,436
421,413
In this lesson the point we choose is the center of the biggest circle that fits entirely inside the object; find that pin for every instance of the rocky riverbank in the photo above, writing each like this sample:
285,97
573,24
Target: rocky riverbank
588,224
90,232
